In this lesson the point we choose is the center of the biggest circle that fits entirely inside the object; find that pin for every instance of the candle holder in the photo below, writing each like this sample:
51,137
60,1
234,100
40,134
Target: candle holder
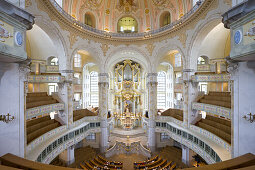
250,117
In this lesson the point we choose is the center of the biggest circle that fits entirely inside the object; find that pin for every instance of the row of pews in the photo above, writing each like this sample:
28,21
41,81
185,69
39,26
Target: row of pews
155,163
218,126
13,162
39,126
81,113
175,113
222,99
100,163
37,99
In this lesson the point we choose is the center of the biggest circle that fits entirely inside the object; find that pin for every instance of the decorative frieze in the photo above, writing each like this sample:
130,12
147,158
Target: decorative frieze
52,69
203,68
46,79
210,78
40,110
217,110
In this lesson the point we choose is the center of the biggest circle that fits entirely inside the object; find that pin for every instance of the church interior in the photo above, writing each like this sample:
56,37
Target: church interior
127,84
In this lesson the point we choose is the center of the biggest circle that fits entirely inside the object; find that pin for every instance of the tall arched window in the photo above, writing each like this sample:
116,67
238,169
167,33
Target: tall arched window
86,86
161,90
202,60
178,60
77,60
165,19
94,89
89,19
169,87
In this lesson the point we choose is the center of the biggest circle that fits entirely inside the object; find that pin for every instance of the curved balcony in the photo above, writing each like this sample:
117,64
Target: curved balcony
46,147
53,7
207,148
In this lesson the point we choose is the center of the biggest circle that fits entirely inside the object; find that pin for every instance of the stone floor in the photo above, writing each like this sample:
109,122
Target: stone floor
128,160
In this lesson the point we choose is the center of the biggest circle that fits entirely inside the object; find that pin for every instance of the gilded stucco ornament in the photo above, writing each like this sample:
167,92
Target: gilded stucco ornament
28,3
150,48
183,37
228,2
105,48
160,3
127,5
94,4
72,39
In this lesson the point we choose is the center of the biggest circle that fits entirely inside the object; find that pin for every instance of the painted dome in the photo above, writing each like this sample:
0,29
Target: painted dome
110,15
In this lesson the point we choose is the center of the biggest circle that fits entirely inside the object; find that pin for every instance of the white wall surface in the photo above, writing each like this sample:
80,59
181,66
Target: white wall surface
41,45
11,101
243,135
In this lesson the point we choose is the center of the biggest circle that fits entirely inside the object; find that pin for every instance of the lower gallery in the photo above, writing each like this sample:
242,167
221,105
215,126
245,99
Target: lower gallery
127,84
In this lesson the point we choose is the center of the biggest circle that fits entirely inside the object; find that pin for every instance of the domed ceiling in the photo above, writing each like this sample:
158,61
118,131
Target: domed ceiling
106,13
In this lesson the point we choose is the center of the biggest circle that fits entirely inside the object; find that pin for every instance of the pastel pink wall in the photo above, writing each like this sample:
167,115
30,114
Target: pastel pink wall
107,14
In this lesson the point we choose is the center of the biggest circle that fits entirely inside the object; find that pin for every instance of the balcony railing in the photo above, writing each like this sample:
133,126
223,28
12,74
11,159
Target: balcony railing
127,35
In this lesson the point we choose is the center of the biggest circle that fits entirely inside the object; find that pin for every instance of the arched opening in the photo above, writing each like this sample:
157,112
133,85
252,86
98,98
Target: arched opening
53,61
89,19
165,97
165,19
127,25
202,60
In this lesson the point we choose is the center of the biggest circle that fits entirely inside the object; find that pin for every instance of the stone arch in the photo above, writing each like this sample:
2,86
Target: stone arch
56,36
161,52
94,53
200,33
122,53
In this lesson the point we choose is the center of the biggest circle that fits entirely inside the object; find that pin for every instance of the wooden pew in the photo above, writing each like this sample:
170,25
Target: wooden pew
173,166
88,166
83,167
159,165
21,163
167,165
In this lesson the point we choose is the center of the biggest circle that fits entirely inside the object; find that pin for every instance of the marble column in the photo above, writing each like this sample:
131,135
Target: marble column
65,93
190,93
67,156
152,98
186,155
103,109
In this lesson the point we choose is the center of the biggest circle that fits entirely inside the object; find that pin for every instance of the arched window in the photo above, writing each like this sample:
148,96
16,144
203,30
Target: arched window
77,60
178,60
89,20
161,90
94,89
127,25
53,61
86,86
169,87
165,19
202,60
